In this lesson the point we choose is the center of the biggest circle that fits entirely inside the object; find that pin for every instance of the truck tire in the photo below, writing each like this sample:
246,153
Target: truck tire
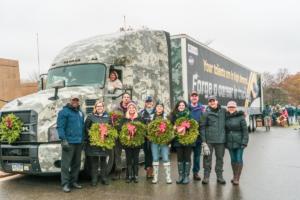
254,124
110,161
110,164
250,127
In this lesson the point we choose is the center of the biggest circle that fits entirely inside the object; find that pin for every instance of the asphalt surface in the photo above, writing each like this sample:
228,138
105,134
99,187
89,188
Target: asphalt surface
271,171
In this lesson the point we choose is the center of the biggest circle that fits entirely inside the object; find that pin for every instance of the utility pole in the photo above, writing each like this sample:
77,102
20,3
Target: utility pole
38,53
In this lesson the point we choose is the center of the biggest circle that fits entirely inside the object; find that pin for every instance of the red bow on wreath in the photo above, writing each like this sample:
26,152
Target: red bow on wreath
182,128
162,127
8,122
114,118
131,130
102,131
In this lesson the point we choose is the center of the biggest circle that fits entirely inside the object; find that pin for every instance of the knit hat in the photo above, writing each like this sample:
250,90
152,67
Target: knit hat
158,102
132,104
231,104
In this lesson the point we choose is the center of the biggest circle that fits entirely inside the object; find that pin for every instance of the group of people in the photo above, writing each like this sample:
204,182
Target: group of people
219,128
282,115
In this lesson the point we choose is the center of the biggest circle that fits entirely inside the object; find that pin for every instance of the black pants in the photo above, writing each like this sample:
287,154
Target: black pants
132,161
94,163
70,163
184,153
148,154
117,155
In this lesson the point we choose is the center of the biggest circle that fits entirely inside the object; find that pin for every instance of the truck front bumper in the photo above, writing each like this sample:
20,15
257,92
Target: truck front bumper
30,158
19,159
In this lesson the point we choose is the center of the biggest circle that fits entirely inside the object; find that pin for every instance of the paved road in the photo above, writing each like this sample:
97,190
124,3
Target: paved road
272,171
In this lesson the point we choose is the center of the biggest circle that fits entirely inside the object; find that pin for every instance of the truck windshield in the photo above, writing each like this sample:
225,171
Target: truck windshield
78,75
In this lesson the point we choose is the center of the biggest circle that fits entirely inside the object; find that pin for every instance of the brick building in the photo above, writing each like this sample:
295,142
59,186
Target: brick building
10,83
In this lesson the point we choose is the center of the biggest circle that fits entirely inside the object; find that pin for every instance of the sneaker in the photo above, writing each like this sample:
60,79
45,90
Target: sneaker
66,188
205,180
76,185
221,181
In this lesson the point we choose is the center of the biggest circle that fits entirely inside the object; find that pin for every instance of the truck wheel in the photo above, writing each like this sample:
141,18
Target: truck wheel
110,161
250,128
254,124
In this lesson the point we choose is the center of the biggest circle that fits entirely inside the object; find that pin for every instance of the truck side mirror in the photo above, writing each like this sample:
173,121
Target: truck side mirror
57,85
42,82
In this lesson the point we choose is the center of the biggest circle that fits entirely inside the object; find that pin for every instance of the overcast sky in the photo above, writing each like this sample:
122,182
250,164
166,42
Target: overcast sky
261,34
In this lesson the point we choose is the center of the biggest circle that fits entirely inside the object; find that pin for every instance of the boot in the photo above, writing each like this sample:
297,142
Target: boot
155,172
187,169
129,173
94,171
117,175
135,173
149,172
103,172
220,179
239,172
205,178
167,167
180,172
234,171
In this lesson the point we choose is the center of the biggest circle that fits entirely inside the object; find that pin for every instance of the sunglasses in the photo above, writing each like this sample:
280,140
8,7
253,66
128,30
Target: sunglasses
75,99
231,107
212,100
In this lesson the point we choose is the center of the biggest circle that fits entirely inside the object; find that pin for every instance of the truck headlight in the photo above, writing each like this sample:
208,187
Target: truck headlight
53,134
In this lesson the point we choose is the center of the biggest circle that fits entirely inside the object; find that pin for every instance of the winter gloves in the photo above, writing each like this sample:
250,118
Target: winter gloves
205,148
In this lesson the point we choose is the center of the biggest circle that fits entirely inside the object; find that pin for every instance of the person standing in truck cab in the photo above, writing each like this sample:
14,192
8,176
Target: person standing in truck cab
70,127
114,82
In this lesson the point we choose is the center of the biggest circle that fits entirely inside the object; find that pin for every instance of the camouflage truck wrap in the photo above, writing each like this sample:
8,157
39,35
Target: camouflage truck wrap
142,59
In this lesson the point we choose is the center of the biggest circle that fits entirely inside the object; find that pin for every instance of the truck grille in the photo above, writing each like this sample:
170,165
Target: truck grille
29,129
89,103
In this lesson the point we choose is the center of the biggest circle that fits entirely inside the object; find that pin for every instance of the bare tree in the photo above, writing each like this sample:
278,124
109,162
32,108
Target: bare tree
282,74
33,76
268,80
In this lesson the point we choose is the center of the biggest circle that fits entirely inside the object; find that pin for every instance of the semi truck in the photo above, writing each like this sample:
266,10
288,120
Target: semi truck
148,62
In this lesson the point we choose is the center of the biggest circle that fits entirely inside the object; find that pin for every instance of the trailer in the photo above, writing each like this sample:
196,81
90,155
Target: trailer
197,67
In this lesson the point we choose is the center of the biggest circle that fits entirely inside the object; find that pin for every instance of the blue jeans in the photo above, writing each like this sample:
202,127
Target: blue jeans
196,157
236,155
160,149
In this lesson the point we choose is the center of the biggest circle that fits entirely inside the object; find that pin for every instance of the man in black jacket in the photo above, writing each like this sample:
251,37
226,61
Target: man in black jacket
213,138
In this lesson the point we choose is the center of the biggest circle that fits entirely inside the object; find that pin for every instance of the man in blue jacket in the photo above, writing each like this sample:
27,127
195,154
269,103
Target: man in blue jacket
70,126
197,110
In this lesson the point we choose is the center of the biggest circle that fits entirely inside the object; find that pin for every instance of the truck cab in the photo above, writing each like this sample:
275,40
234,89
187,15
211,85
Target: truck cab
141,59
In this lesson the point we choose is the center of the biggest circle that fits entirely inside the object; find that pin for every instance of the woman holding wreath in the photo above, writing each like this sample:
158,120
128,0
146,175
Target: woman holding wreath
160,133
101,117
186,132
132,138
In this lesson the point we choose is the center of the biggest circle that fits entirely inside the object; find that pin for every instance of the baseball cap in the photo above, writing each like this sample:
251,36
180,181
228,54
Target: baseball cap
212,97
231,104
74,96
148,99
194,92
